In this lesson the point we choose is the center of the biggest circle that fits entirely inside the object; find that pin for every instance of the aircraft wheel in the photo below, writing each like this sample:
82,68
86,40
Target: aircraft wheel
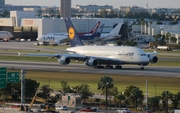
142,68
118,67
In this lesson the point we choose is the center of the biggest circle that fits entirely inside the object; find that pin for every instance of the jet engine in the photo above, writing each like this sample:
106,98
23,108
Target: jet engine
153,59
64,60
57,42
91,62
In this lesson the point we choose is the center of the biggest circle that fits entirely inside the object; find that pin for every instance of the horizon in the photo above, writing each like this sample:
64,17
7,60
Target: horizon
114,3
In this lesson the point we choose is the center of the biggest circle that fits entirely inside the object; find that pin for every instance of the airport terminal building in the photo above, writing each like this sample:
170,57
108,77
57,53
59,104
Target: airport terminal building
24,24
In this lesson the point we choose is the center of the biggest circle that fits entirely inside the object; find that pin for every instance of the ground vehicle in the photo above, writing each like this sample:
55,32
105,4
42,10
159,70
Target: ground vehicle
123,110
166,48
176,111
45,106
64,108
146,111
87,109
151,44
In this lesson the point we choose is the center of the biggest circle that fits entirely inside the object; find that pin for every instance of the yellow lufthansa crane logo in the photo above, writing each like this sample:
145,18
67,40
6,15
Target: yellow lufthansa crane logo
71,33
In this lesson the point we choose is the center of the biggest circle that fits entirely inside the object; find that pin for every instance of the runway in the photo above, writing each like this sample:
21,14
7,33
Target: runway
128,70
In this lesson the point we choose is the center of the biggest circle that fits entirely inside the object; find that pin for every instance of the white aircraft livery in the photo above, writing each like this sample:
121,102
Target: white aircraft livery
101,56
5,35
56,39
114,34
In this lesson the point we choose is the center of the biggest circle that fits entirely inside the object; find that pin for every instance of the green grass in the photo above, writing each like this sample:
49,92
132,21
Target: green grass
160,51
120,81
166,63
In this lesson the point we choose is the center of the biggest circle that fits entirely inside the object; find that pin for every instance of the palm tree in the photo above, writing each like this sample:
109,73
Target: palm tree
166,95
45,92
154,103
65,87
84,91
134,95
112,93
105,84
120,98
175,99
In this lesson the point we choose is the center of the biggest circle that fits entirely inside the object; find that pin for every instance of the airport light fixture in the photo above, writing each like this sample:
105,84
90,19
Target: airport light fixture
106,95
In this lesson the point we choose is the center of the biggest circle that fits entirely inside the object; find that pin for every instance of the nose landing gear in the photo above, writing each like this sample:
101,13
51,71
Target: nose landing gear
142,68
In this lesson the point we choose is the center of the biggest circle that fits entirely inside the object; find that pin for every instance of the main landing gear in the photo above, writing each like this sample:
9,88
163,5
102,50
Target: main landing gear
142,68
108,67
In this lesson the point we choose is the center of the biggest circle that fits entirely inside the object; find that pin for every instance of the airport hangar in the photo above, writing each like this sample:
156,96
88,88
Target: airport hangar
24,24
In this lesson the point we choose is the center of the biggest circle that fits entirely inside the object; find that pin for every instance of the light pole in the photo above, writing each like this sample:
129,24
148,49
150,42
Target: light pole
49,83
155,88
23,72
106,95
146,95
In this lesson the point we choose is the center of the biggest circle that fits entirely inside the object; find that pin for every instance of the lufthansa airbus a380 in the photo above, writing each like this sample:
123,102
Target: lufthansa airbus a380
101,56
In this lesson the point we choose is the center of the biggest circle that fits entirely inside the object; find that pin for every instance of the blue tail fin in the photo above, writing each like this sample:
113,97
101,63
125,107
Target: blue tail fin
72,34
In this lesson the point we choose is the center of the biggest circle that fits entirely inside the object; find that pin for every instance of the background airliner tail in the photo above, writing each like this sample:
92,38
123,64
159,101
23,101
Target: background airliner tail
116,30
72,33
95,28
98,31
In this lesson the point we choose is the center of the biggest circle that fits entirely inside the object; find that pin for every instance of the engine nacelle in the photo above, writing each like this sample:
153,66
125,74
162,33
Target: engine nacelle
64,60
153,59
91,62
57,42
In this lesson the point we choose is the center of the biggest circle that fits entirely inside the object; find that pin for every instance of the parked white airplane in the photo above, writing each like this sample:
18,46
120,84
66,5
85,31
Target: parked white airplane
5,35
101,56
113,35
55,39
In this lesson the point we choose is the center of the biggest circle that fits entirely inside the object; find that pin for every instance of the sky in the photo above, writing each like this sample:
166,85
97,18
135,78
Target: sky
114,3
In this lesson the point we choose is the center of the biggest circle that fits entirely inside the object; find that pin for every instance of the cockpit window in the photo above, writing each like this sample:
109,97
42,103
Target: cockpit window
143,55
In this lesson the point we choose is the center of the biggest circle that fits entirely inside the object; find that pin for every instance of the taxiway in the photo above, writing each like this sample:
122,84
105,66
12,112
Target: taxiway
129,70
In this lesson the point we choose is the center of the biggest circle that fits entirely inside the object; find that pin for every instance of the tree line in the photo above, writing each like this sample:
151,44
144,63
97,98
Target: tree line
131,97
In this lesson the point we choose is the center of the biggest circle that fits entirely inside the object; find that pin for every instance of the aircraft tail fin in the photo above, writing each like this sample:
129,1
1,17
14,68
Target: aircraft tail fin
72,33
98,32
116,30
95,28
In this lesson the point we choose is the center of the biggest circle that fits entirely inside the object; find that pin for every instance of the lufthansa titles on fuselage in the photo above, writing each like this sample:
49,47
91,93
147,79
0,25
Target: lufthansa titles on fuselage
124,53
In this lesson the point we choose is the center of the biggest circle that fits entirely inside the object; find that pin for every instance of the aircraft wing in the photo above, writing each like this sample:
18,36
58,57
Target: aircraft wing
152,53
75,56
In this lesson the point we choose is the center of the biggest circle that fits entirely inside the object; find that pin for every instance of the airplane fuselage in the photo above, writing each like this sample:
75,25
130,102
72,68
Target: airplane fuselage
121,55
5,35
52,38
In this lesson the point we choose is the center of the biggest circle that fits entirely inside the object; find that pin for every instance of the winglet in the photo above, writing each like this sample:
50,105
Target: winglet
19,54
155,52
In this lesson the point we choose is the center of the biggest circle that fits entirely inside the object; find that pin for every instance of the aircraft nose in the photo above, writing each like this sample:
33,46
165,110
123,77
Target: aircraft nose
38,38
11,36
